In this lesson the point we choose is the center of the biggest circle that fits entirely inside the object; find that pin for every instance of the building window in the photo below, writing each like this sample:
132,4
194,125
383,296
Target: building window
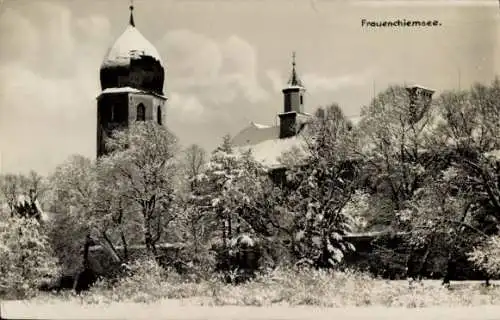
159,116
301,99
141,112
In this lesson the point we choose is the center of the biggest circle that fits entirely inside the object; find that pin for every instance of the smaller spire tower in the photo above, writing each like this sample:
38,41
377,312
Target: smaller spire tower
294,78
293,104
294,92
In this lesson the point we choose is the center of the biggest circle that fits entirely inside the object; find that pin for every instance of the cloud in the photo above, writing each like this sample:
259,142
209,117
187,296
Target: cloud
197,58
185,109
276,79
241,68
220,72
47,106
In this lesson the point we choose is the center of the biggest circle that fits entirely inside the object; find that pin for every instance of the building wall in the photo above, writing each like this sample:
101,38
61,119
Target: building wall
112,113
292,100
119,110
151,104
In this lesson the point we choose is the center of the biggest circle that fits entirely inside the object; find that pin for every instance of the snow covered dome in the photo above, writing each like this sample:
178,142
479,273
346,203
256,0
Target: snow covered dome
132,61
130,45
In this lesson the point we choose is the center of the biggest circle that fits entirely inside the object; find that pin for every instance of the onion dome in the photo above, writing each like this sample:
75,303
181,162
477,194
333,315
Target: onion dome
132,61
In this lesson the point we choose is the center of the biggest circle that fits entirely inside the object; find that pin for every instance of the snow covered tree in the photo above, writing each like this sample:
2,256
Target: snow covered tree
396,147
26,257
143,165
486,256
16,188
401,155
10,186
219,177
471,133
194,160
321,188
225,198
194,224
451,203
73,188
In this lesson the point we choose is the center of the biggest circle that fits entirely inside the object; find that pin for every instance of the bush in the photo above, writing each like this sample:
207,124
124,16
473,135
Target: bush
487,256
26,258
145,282
287,286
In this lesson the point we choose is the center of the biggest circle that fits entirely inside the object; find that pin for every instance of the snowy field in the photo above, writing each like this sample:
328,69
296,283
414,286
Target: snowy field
175,309
195,308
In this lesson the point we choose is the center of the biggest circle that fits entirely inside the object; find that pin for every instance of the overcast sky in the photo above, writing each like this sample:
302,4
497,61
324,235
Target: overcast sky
227,62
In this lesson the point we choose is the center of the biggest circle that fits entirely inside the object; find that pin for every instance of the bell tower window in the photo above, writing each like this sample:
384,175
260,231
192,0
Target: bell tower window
141,112
159,116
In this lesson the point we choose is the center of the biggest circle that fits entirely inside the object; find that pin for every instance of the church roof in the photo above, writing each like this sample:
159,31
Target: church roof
265,143
255,133
130,44
294,81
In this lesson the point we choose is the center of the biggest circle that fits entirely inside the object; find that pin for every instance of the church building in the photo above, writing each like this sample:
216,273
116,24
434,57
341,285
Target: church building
269,142
132,76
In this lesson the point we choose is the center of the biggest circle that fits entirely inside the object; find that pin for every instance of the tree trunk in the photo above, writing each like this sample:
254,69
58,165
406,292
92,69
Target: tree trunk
225,256
86,247
229,226
195,238
125,246
423,261
150,246
415,263
450,263
450,269
148,236
224,235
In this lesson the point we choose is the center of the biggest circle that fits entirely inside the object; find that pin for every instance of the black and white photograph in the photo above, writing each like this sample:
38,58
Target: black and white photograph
250,159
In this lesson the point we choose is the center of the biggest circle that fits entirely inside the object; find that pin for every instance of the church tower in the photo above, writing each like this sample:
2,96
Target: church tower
132,76
293,111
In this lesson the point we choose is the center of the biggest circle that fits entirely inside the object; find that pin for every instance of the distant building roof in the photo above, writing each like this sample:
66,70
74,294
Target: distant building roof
415,85
265,143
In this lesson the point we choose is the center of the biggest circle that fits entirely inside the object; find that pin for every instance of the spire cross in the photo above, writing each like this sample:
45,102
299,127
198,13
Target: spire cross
293,57
131,7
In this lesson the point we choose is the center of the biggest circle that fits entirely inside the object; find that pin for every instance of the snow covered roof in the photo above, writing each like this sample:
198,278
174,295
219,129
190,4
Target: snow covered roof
255,133
127,90
121,90
294,87
265,143
260,126
131,44
268,152
419,86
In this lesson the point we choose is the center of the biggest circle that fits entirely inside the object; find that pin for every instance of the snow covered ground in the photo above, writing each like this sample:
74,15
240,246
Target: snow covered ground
176,309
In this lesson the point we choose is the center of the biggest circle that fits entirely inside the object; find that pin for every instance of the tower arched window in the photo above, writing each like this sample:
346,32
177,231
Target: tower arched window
141,112
301,99
159,116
